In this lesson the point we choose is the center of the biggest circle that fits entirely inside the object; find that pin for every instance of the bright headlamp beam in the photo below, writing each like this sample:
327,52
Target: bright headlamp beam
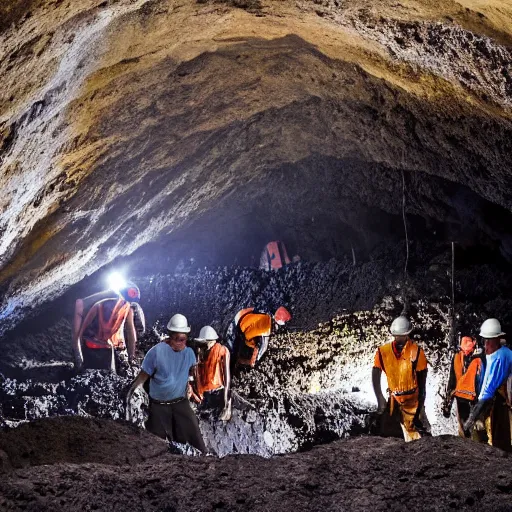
116,281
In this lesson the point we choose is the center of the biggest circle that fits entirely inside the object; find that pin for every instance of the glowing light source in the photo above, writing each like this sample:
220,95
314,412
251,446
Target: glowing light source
116,281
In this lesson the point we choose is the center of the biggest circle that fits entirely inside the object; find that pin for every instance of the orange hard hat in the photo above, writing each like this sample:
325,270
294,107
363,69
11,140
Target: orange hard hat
282,315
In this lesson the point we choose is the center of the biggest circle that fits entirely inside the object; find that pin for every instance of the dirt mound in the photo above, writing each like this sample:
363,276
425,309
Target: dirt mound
440,473
77,440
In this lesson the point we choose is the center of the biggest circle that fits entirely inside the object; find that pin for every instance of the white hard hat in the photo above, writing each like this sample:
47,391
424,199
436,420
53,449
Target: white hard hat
178,323
207,333
401,326
491,328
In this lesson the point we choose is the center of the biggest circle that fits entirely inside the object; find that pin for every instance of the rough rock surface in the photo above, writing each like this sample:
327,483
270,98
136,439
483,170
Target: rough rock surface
432,474
170,127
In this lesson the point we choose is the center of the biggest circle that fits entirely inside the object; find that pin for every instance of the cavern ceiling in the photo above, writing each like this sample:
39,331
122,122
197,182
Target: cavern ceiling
205,128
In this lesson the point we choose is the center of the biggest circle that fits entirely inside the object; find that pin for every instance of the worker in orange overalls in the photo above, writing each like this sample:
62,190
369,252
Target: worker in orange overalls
249,333
405,366
466,377
213,373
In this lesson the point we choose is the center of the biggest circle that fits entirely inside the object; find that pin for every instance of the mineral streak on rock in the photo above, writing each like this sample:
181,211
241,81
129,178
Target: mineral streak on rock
129,122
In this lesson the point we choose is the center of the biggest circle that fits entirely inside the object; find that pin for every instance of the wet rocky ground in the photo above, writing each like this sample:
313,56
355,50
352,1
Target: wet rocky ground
105,465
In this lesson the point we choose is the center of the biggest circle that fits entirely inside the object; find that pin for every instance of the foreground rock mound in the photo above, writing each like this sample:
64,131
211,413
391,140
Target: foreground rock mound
77,440
440,473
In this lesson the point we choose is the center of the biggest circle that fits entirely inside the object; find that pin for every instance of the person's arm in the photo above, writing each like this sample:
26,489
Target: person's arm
138,381
226,413
77,324
421,377
381,401
193,391
493,380
77,349
131,336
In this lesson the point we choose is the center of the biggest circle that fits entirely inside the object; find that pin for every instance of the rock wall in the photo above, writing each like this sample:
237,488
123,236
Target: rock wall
204,129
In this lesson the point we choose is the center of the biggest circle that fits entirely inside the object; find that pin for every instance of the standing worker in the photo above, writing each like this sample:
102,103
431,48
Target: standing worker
169,364
466,376
494,398
249,334
405,366
214,378
98,339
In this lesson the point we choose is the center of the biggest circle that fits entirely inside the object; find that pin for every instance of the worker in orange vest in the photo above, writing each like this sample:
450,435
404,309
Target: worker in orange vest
98,338
274,256
405,366
466,376
249,334
213,373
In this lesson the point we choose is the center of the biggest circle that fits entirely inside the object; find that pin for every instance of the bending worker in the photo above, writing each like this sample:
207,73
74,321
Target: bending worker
494,399
98,339
405,366
169,364
466,376
249,334
214,378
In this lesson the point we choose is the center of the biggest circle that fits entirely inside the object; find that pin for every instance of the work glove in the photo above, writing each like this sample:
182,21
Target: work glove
381,407
476,411
447,409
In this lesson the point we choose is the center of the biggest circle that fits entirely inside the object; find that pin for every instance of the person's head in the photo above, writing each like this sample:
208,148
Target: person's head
130,292
491,332
207,337
177,330
400,329
467,345
282,315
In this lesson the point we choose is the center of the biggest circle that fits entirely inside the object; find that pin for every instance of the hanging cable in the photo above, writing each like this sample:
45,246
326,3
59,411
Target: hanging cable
405,227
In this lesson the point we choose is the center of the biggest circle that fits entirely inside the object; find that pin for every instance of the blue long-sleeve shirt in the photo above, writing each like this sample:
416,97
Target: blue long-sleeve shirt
497,370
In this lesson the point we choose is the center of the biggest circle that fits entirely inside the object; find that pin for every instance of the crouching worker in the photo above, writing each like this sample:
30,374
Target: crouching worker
405,366
249,334
98,339
169,364
494,399
466,375
214,379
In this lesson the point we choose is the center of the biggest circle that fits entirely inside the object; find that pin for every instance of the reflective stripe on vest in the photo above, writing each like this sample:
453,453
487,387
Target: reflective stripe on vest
400,371
211,370
465,386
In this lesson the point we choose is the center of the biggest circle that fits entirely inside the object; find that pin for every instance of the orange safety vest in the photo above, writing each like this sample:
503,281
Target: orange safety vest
276,255
211,371
401,371
108,331
253,325
466,387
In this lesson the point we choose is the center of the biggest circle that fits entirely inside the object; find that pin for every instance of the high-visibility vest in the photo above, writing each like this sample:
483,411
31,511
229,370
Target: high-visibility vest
401,371
275,255
211,370
466,380
107,331
253,325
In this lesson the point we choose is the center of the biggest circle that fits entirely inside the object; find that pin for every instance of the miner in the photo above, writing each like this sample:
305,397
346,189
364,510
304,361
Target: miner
405,366
249,334
466,376
102,323
168,365
213,373
494,399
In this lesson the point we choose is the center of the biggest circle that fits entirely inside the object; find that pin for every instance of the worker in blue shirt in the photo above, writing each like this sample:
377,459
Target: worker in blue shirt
494,399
